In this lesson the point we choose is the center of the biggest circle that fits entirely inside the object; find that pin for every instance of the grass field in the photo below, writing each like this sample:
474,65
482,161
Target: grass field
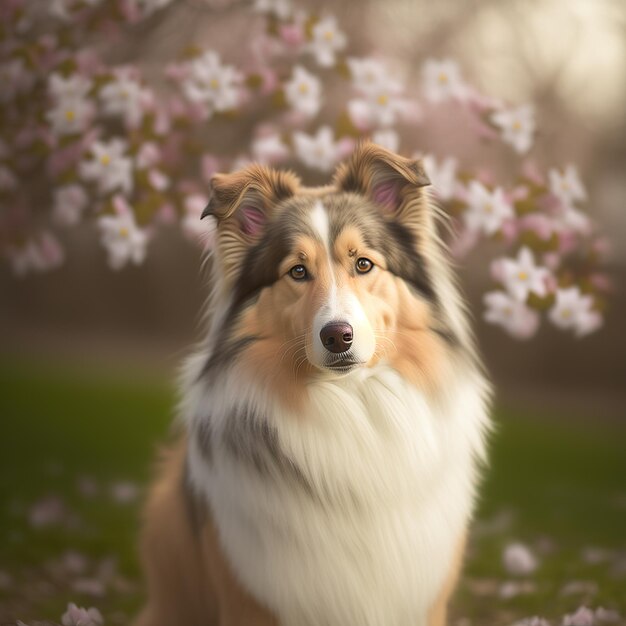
76,448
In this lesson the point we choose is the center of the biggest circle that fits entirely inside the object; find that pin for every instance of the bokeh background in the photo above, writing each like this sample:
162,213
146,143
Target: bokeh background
88,356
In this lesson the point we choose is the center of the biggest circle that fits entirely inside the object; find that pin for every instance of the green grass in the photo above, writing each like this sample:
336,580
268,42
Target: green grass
552,484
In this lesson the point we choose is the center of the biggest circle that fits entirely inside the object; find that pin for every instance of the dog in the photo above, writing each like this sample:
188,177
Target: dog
335,418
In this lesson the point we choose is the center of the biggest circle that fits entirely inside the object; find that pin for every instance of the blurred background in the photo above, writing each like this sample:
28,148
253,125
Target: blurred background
88,356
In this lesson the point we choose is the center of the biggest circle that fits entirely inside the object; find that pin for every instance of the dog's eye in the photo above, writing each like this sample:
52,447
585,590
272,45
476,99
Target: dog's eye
363,265
298,272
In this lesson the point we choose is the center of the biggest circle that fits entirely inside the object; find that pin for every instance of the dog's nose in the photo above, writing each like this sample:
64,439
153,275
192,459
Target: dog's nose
336,337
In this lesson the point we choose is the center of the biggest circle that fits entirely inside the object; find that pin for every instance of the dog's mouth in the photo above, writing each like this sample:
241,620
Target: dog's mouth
344,365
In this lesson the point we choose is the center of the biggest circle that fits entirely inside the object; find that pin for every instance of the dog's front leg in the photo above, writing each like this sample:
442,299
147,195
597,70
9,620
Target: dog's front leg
236,607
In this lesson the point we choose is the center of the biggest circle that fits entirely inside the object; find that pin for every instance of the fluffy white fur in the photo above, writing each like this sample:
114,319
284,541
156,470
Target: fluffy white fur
398,474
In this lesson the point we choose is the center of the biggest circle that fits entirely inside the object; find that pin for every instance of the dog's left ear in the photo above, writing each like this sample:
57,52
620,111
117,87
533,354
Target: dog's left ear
387,179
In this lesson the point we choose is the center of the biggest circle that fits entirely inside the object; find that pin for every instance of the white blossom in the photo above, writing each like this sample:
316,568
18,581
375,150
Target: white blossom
326,41
63,9
109,167
280,8
521,276
60,9
441,80
487,210
123,96
269,149
213,84
303,92
518,560
574,311
567,186
382,102
319,151
573,219
124,241
40,254
70,116
69,203
74,87
201,230
387,138
514,316
148,7
517,127
368,75
442,175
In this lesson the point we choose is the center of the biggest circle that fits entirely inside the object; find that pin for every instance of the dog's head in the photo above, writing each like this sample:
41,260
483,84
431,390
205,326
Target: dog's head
321,282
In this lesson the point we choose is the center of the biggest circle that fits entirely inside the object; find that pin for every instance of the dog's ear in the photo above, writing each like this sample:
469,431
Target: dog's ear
387,179
242,202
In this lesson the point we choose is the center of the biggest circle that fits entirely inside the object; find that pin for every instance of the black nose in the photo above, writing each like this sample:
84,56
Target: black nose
336,336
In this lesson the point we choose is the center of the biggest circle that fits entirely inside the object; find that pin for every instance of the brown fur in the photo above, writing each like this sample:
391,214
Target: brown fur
189,580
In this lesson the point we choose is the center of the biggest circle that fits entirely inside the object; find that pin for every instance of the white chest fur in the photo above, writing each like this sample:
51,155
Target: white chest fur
390,481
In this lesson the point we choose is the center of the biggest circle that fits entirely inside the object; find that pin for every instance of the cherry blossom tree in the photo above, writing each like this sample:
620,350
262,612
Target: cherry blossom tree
85,141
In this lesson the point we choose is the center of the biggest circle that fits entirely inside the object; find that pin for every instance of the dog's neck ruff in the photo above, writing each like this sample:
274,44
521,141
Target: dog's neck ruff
345,513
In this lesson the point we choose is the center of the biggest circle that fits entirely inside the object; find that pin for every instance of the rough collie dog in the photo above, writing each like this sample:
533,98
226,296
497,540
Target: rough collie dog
334,417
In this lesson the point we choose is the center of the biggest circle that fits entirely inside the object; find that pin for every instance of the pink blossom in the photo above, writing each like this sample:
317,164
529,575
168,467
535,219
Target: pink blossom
162,121
167,214
6,580
8,180
582,617
74,562
210,165
77,616
578,587
124,492
148,155
292,34
607,616
270,80
158,179
177,71
120,205
48,511
602,282
531,171
519,560
89,587
463,242
539,224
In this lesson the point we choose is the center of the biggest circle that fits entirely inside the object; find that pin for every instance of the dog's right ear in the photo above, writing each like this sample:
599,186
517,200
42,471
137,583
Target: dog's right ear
242,204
